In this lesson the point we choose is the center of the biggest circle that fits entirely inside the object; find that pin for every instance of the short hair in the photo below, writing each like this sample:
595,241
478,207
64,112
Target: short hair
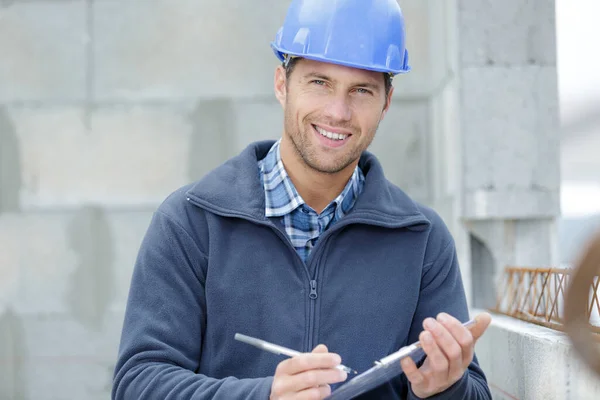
290,63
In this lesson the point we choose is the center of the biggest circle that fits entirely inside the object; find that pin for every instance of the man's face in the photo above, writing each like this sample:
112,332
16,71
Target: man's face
331,112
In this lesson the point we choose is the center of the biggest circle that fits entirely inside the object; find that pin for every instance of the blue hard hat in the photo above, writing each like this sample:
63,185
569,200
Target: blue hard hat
365,34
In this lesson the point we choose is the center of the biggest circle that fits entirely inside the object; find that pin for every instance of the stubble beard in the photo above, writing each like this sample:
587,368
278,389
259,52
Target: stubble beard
305,148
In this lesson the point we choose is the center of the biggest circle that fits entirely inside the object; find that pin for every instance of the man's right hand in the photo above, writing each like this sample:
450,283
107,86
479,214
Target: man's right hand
307,376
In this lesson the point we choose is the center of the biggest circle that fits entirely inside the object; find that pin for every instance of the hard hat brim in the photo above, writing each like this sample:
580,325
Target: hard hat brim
280,53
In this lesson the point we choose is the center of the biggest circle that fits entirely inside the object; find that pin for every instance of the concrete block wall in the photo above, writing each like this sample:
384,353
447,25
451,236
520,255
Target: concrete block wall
106,106
44,46
65,283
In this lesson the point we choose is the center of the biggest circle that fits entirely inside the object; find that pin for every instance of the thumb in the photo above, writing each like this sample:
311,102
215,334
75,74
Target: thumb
320,349
482,321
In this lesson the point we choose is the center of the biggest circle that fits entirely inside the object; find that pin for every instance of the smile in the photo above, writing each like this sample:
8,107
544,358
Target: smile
330,135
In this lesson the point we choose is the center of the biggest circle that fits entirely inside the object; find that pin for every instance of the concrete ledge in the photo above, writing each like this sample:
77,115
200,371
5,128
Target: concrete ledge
526,361
510,204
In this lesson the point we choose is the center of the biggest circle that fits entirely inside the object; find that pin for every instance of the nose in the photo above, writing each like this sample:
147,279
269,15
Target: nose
338,108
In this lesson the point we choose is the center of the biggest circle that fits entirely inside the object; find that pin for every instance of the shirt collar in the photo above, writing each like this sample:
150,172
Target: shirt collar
281,196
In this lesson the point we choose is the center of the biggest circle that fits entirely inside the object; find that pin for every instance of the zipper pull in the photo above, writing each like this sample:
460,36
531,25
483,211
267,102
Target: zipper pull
313,289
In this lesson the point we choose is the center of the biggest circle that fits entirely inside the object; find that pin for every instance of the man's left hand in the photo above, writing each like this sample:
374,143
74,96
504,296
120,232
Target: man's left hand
449,347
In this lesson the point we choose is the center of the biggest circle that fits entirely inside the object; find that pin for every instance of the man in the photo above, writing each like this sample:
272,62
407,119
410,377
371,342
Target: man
304,243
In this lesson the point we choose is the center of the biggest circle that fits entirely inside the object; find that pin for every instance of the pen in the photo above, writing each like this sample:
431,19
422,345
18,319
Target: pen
276,349
407,350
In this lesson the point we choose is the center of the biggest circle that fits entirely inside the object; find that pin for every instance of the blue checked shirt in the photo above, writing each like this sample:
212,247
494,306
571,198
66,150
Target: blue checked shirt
302,224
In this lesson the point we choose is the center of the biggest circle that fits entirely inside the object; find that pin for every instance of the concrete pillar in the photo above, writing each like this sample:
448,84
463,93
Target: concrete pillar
509,136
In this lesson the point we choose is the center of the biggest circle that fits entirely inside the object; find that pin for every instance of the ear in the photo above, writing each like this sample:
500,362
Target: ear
388,102
280,83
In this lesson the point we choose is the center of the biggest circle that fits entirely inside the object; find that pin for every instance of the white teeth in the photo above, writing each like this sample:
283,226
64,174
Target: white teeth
331,135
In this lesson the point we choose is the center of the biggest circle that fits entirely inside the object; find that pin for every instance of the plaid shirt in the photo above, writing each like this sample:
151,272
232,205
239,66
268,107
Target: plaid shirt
302,224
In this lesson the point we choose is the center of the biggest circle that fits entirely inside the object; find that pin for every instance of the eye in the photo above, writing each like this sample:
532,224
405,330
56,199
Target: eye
363,91
318,82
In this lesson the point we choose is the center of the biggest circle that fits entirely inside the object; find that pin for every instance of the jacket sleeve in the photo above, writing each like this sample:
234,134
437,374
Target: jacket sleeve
161,340
442,291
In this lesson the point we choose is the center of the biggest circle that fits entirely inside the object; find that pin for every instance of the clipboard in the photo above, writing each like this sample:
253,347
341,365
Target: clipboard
373,377
385,369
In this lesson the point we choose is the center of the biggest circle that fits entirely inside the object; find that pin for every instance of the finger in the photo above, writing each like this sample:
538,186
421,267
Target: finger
314,393
462,335
308,361
447,344
482,321
324,391
312,379
437,360
320,349
411,371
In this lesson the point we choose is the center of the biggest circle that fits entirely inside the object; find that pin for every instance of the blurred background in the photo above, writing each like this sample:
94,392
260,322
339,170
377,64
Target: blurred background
107,106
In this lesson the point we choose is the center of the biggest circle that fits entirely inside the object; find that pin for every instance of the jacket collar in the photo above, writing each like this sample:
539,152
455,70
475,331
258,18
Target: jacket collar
234,188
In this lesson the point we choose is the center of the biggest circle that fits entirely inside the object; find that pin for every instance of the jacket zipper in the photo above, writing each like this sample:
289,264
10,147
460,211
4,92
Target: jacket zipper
317,253
313,289
313,295
311,315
